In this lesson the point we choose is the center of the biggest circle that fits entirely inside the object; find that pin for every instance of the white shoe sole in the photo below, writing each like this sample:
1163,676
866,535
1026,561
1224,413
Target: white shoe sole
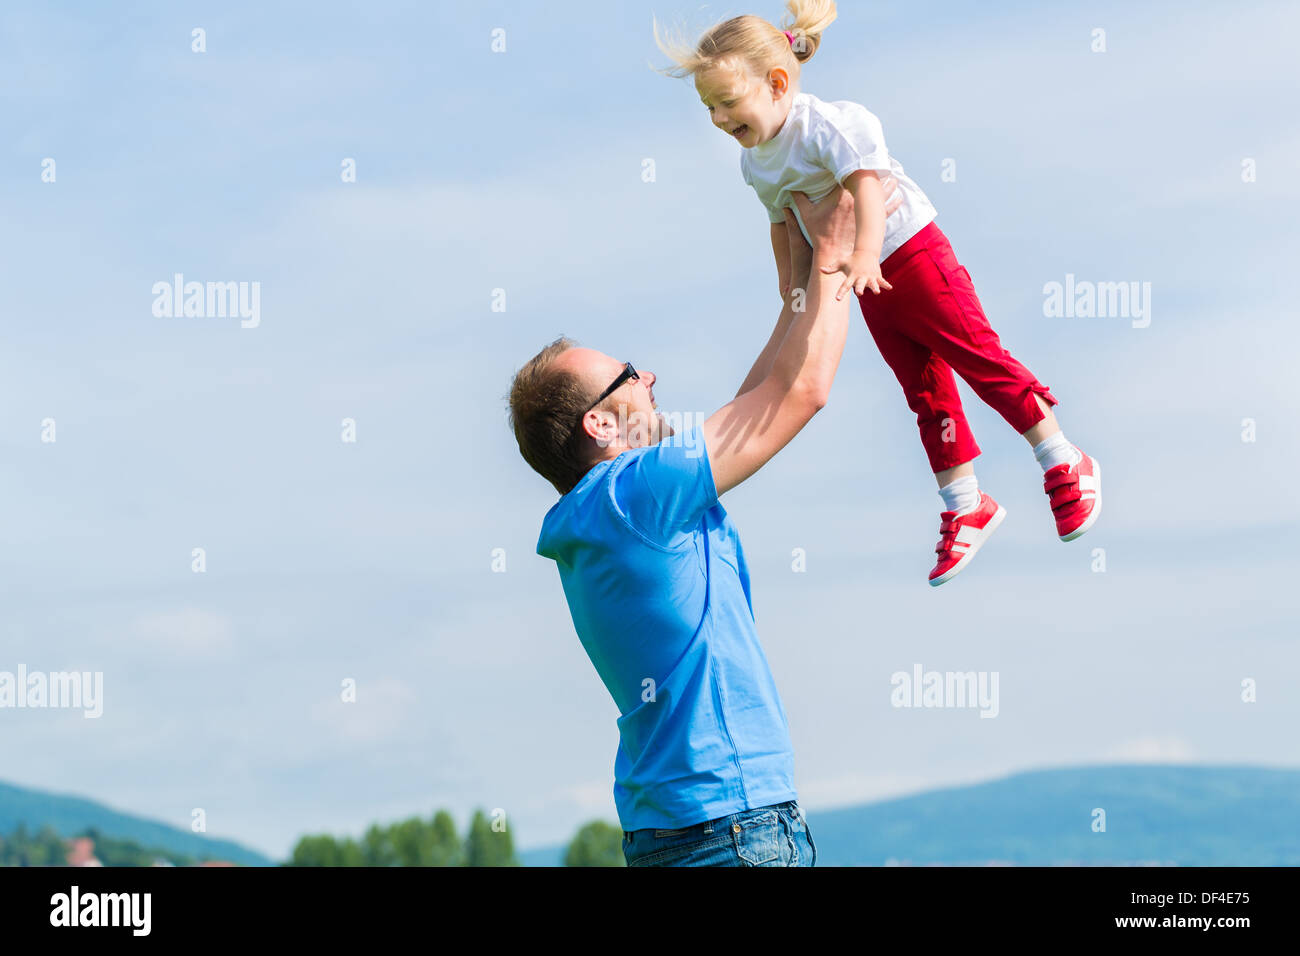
1093,515
956,569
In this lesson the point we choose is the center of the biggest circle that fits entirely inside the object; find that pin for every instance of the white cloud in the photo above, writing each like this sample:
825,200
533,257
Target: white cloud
1152,750
592,797
383,710
190,630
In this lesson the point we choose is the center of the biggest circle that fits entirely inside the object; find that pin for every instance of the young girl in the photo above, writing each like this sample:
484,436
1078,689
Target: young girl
921,310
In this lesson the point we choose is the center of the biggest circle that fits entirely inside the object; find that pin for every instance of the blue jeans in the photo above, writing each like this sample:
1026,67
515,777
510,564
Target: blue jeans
768,836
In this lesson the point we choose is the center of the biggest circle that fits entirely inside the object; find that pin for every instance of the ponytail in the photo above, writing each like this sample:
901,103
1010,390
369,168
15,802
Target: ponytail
807,20
753,41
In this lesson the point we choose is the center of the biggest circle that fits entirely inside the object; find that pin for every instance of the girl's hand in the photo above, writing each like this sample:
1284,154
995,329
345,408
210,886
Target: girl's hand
862,271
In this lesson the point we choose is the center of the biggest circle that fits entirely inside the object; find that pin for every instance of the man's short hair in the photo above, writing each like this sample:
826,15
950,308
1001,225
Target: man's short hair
546,406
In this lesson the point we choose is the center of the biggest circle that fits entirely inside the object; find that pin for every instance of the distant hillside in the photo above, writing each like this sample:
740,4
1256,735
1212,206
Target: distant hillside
1188,816
542,856
71,815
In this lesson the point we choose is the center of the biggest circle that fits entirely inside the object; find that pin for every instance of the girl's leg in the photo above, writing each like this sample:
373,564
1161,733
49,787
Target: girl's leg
949,475
969,516
927,380
931,392
1045,428
951,322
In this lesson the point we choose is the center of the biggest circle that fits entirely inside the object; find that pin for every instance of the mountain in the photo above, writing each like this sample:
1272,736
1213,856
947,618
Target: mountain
71,815
1172,815
542,856
1183,815
1186,816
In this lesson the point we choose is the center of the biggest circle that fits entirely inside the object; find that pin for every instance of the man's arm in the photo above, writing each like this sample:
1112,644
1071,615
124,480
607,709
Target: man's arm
789,246
781,250
743,436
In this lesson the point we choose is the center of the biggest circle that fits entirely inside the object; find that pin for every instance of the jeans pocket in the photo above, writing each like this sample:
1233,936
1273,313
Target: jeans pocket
758,837
699,853
807,832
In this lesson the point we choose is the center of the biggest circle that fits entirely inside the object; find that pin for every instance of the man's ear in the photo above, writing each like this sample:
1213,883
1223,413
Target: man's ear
778,82
601,427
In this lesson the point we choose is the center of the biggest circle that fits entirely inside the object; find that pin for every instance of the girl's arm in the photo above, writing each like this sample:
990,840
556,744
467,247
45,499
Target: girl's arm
863,267
785,267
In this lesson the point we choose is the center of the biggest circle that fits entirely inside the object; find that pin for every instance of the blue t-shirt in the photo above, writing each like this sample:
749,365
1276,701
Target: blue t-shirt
659,592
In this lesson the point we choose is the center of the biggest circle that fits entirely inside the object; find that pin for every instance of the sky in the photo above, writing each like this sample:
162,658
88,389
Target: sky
404,561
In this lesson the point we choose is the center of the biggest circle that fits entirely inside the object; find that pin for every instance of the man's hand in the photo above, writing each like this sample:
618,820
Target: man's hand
874,199
831,225
863,268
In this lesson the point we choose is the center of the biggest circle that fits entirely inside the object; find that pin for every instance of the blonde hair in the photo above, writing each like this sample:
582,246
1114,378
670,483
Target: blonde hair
752,41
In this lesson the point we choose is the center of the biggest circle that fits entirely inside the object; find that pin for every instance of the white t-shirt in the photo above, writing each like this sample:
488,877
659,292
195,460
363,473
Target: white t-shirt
817,147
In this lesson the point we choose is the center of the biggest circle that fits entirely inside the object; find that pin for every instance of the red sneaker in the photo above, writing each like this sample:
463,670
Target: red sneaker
1075,492
962,536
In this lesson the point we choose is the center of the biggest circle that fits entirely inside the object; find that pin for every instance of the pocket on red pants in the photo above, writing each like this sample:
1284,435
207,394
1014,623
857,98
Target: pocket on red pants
956,281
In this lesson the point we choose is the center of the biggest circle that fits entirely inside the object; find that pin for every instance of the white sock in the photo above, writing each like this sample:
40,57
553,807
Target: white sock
961,495
1056,450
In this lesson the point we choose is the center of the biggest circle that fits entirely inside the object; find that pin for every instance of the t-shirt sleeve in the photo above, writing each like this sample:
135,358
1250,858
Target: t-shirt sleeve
853,140
665,489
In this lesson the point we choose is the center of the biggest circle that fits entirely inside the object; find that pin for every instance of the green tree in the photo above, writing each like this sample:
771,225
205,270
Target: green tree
13,851
412,842
487,847
351,854
377,848
47,848
320,850
596,844
447,848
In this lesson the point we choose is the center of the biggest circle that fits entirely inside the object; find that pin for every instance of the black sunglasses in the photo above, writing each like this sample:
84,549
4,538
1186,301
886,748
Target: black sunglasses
628,373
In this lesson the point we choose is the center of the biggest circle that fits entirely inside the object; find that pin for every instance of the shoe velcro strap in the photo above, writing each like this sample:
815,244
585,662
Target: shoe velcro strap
1057,481
1063,498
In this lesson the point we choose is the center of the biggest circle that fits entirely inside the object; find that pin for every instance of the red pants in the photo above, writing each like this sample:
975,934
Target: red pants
931,324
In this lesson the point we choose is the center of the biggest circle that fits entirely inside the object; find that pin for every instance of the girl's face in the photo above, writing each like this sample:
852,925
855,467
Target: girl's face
748,108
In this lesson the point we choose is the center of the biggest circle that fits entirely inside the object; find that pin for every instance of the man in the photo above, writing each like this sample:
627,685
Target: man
655,577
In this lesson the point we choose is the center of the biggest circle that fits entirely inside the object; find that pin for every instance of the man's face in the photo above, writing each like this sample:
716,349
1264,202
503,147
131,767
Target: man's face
748,108
628,418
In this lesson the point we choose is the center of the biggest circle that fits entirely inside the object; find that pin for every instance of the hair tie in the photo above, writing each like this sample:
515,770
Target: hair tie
789,36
